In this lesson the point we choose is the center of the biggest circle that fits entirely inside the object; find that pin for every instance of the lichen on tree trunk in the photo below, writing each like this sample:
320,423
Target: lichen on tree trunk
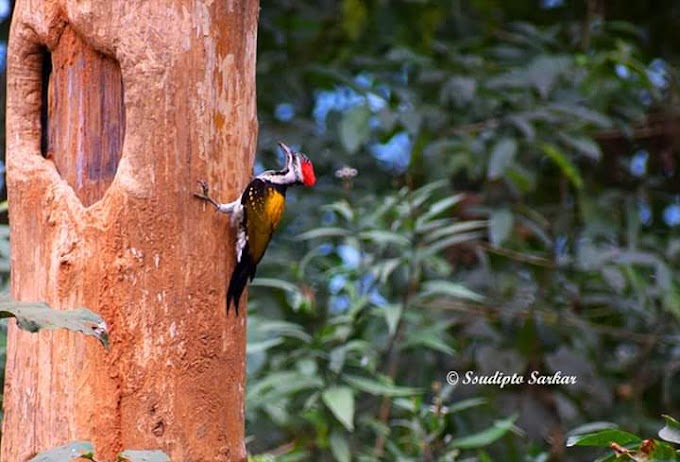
143,99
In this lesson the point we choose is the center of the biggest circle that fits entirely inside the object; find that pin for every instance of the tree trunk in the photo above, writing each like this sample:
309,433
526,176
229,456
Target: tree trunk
115,110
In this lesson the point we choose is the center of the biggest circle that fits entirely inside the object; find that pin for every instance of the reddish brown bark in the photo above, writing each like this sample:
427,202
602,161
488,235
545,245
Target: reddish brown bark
135,247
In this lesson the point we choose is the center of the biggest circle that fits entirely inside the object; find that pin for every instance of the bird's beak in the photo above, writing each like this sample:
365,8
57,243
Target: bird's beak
288,151
283,146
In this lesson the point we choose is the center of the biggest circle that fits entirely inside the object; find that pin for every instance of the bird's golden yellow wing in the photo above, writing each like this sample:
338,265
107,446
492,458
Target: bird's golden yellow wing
263,209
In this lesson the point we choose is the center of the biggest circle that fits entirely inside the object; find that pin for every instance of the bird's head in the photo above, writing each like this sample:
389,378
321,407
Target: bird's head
300,165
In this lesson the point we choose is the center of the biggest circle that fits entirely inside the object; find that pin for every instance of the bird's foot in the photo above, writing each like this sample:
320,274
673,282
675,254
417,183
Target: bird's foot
205,194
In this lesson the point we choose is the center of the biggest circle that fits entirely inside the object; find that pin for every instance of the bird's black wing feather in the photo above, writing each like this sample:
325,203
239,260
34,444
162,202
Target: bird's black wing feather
244,271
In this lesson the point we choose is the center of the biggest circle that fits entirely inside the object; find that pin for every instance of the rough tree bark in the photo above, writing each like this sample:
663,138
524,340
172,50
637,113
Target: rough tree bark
105,147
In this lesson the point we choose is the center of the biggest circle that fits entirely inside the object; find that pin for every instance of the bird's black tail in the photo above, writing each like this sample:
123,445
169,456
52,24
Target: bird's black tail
245,269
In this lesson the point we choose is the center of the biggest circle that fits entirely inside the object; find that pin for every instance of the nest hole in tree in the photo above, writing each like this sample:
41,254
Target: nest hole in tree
82,115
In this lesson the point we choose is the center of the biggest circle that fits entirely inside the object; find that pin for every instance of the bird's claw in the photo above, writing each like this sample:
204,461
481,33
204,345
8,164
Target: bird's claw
204,194
204,187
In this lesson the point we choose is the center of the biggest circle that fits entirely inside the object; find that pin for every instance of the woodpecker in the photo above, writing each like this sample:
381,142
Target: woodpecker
256,214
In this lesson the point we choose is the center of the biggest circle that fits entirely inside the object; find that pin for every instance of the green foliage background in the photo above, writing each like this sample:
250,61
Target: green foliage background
512,209
498,191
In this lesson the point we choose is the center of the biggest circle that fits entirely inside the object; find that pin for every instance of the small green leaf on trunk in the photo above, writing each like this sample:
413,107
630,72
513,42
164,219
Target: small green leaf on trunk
35,316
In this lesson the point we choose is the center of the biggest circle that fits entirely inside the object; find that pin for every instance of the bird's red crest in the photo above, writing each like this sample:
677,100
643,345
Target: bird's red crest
308,177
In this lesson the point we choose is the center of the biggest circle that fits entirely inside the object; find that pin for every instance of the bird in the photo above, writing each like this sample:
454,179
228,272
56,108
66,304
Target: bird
256,215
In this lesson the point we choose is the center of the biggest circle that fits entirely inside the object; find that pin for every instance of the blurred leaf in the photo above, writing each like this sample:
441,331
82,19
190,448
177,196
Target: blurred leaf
523,124
502,155
438,246
340,447
354,17
603,438
392,314
671,431
467,404
522,179
582,113
544,71
563,162
378,388
458,90
143,456
384,237
440,206
484,456
432,338
450,289
340,400
323,233
34,316
583,145
424,193
268,328
338,355
426,227
258,347
485,437
354,128
446,231
383,269
592,427
614,277
291,289
541,74
276,284
279,384
70,451
501,224
341,208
